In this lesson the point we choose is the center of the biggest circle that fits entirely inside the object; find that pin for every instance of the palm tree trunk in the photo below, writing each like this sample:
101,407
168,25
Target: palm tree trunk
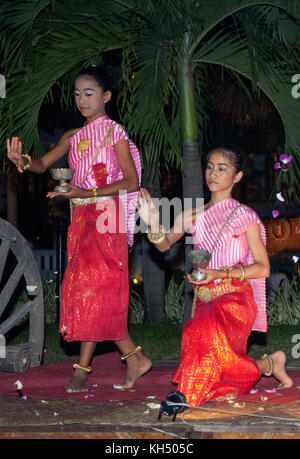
153,266
192,181
11,193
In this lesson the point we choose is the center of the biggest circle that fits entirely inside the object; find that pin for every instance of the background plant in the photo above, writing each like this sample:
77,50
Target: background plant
284,308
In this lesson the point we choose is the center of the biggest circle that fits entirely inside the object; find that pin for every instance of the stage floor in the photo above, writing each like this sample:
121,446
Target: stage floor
137,418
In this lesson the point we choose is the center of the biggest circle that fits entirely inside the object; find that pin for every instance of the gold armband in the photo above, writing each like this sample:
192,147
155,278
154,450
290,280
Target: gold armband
156,238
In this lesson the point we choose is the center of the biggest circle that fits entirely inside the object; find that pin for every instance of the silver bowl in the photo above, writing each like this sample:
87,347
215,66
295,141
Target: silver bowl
199,259
62,175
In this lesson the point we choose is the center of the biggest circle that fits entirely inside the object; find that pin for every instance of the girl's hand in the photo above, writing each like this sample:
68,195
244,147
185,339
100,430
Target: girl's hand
147,210
76,192
212,274
14,152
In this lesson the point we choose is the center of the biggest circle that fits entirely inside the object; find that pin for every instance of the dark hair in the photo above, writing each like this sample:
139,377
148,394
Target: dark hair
105,77
234,154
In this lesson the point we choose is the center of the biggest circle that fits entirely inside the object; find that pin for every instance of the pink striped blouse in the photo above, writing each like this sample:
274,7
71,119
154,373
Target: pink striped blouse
98,151
232,247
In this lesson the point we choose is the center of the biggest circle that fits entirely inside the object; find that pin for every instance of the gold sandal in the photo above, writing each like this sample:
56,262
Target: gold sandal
270,360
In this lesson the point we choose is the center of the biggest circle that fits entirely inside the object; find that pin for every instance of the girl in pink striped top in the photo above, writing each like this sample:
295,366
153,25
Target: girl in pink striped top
231,300
95,289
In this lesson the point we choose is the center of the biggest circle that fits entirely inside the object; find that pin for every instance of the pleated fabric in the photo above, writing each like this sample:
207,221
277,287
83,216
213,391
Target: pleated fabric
95,288
213,361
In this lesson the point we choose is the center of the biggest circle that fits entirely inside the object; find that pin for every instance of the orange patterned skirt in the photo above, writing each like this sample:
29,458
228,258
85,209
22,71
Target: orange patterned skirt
213,361
95,288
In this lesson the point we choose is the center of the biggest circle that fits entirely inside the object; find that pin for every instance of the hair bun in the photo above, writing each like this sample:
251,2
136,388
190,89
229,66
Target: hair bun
106,76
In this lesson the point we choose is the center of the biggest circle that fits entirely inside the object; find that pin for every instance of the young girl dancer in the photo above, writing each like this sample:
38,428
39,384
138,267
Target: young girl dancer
95,288
231,300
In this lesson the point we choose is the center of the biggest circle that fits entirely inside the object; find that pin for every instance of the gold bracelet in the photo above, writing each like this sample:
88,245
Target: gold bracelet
94,191
156,238
28,157
241,267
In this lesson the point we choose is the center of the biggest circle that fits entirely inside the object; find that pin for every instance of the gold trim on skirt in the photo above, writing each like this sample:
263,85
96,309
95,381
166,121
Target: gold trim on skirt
206,294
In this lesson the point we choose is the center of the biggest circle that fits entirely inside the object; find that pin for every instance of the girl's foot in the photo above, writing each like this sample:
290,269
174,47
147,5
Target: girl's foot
279,359
137,366
226,398
77,381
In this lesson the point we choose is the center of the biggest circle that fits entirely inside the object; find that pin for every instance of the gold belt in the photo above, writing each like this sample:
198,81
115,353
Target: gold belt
84,201
204,293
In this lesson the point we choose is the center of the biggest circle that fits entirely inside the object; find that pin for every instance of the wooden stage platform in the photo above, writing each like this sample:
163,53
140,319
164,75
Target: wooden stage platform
65,418
135,420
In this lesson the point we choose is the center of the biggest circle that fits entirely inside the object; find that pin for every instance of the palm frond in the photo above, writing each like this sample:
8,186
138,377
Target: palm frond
273,75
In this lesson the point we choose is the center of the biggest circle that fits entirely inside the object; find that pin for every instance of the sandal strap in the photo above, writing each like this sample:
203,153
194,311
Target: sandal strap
87,369
270,360
126,356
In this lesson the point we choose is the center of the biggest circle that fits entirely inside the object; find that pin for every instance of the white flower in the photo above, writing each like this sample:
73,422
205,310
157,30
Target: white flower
279,197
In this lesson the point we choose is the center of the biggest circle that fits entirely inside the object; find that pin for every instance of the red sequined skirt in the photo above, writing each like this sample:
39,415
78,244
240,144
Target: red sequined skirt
213,361
95,288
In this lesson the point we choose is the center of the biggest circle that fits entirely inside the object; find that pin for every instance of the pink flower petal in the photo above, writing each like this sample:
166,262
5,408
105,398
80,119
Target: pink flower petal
277,165
285,159
282,157
275,213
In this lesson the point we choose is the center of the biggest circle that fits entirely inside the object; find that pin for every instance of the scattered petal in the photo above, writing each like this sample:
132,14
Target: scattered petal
44,402
146,412
19,385
260,408
263,399
253,391
151,396
295,259
117,387
55,414
280,197
239,405
24,397
275,213
95,385
153,406
271,391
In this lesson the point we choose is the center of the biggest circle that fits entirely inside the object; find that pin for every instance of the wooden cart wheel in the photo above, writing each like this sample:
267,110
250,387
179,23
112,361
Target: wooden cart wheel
21,299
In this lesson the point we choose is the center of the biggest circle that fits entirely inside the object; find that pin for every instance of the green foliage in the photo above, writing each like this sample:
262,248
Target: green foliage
136,308
174,304
285,307
174,301
44,43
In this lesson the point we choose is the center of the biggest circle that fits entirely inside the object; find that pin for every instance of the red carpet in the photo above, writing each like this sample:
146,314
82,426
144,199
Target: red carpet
48,382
